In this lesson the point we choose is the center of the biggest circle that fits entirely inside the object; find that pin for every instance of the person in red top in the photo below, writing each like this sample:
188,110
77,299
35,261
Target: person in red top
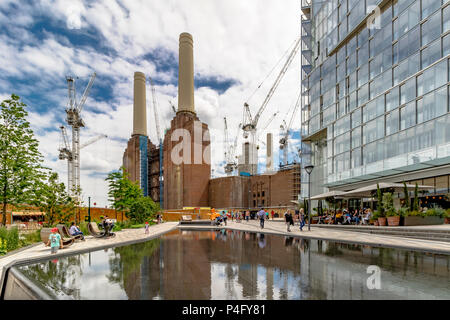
273,214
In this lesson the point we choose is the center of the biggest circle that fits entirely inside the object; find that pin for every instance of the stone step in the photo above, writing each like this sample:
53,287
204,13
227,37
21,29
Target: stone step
196,222
426,234
382,228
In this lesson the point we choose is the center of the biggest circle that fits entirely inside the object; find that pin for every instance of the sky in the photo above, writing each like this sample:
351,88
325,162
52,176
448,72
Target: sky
238,46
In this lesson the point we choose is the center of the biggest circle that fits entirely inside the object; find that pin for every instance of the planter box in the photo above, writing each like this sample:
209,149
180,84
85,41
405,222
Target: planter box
422,221
393,221
382,221
447,221
375,223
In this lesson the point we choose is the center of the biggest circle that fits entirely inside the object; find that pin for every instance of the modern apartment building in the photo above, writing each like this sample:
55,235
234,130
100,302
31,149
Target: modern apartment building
375,107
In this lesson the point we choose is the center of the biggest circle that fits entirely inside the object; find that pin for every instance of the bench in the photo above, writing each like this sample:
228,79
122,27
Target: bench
62,228
186,218
97,233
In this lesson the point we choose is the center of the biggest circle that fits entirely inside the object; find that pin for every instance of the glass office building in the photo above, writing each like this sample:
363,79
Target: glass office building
375,107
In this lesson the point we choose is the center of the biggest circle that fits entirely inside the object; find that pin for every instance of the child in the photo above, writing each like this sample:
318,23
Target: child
55,241
147,226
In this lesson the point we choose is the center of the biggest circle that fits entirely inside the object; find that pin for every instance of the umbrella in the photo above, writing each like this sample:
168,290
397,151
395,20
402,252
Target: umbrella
367,191
325,195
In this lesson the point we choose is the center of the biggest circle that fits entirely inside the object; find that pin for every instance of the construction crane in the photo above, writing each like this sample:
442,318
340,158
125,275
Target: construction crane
158,133
230,149
285,131
65,152
265,127
249,122
75,120
173,107
155,111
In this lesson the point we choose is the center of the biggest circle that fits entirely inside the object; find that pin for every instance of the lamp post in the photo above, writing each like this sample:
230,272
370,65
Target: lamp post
89,209
309,169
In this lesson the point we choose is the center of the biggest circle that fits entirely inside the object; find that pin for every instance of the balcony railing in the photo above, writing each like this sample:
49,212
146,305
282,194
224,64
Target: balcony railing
413,159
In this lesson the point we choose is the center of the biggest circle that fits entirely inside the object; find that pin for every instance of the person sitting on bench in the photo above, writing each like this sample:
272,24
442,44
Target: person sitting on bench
74,231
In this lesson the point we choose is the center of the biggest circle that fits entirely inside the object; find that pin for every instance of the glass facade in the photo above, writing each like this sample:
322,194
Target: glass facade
375,89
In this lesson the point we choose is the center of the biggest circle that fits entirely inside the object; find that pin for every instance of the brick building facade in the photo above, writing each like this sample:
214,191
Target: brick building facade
265,190
186,178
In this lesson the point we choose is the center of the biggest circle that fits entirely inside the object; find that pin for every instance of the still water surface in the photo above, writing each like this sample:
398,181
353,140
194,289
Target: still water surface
243,265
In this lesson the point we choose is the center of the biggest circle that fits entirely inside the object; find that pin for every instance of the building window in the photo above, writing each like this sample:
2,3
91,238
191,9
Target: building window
392,99
432,105
392,122
431,53
408,115
408,91
431,29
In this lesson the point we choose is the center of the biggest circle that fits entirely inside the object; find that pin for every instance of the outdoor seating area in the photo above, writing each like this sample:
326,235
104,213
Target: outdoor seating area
391,204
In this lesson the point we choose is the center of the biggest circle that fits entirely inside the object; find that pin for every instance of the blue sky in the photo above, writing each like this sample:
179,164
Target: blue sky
236,44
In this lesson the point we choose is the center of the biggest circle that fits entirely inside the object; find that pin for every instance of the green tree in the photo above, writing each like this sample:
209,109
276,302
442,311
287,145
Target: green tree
380,207
20,159
142,209
388,204
407,203
122,191
52,198
416,198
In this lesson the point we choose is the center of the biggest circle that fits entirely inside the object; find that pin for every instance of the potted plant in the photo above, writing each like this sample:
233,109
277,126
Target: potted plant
433,216
380,208
393,218
374,218
447,216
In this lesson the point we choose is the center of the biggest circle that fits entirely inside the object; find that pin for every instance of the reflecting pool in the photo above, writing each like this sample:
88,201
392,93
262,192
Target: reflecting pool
242,265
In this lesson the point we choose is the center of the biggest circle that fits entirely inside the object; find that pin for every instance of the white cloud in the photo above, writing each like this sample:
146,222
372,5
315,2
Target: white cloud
239,40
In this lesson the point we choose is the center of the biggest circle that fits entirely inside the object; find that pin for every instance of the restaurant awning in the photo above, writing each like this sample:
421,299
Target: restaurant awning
367,191
334,193
28,213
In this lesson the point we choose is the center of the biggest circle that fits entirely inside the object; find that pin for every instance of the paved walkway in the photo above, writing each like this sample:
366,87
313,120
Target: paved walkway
40,251
275,227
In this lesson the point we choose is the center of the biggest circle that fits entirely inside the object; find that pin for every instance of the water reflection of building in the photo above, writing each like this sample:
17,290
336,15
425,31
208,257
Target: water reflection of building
194,265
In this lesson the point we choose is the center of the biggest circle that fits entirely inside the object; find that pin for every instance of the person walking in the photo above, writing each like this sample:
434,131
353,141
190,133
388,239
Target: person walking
147,227
289,220
262,216
55,241
273,214
247,215
302,219
224,217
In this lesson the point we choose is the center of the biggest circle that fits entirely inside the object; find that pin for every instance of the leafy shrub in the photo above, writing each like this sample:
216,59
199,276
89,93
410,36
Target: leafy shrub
10,237
30,238
3,245
376,215
403,212
435,212
388,205
414,213
447,213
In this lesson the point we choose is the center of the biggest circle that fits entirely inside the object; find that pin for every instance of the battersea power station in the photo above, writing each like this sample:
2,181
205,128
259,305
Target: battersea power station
177,172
